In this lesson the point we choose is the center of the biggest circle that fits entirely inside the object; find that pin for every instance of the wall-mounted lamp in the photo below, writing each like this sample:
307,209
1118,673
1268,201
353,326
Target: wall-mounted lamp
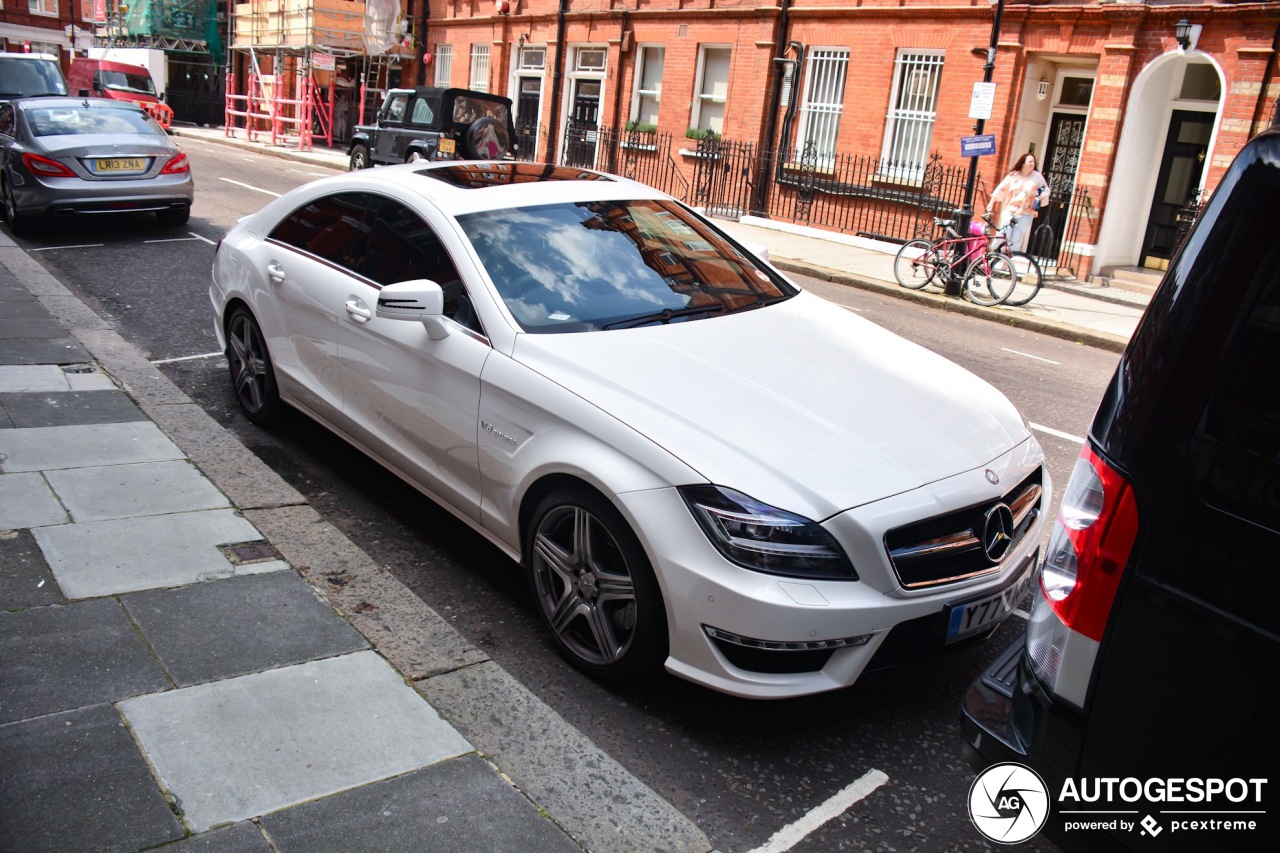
1042,88
1182,33
502,7
524,37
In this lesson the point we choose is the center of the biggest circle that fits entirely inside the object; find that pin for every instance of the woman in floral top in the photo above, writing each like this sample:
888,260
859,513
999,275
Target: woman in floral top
1016,196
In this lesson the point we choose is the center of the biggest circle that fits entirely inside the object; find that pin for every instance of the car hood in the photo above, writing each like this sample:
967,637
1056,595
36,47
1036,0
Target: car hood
800,404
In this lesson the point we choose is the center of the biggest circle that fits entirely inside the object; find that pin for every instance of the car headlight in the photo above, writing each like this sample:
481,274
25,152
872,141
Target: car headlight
764,538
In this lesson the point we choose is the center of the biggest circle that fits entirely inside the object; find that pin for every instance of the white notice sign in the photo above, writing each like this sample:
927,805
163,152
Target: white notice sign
322,61
984,97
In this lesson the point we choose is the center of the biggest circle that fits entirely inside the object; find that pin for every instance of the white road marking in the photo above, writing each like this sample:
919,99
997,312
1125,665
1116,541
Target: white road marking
250,187
851,308
80,246
839,802
206,239
175,239
1058,433
1023,614
188,358
313,174
1029,355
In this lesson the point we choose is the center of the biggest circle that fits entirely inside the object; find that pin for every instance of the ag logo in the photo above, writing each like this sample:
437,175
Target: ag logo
1008,803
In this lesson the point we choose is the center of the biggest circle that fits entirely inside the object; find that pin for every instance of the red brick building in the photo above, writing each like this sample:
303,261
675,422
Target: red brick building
1118,112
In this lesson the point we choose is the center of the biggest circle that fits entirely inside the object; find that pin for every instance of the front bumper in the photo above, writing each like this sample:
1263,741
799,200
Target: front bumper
763,636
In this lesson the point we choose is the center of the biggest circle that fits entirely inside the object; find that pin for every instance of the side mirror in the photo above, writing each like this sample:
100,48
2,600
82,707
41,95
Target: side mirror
419,301
760,250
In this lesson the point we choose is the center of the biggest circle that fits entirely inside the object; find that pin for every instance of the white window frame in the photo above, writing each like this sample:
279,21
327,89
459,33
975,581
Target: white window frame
590,59
705,101
825,75
646,55
479,67
46,8
444,65
913,111
529,63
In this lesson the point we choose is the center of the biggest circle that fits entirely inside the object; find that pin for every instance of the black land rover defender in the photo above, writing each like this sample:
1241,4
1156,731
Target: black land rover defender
427,123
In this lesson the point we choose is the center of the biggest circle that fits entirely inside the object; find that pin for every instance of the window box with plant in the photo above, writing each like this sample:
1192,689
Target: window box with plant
639,134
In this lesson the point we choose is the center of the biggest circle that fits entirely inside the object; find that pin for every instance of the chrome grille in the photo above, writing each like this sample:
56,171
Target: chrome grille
949,547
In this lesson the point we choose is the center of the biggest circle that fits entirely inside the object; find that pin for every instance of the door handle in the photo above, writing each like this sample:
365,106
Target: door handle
359,311
275,272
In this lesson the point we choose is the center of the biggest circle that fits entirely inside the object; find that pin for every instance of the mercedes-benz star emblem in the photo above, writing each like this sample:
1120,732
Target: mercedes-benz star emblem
992,477
997,532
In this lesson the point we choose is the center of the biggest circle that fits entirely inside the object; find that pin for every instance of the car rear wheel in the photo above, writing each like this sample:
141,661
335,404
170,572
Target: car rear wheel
359,158
174,216
19,223
594,587
252,377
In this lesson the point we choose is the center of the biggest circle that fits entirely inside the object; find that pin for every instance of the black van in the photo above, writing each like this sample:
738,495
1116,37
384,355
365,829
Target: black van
1146,692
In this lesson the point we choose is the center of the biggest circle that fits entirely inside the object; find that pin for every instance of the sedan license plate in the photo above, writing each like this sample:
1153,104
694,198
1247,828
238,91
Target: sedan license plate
120,164
981,614
447,145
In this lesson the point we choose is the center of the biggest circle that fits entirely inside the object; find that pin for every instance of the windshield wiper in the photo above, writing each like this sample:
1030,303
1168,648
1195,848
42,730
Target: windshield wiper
666,315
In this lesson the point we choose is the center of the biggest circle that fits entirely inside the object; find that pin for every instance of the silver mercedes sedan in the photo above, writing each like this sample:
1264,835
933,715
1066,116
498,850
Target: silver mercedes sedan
87,155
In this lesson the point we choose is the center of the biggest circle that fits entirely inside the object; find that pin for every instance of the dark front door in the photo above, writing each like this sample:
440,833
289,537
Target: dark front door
1185,150
528,108
1066,137
584,127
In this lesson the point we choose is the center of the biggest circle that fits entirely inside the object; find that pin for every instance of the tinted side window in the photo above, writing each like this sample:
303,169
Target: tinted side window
334,227
403,247
6,119
1236,449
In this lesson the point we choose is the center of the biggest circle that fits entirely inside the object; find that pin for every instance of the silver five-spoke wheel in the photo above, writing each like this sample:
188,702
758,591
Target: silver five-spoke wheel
594,587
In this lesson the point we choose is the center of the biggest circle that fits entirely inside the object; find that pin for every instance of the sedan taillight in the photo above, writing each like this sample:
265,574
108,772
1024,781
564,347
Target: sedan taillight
177,165
1086,557
46,168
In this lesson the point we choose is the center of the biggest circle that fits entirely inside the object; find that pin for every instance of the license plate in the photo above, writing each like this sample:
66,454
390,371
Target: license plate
981,614
121,164
447,146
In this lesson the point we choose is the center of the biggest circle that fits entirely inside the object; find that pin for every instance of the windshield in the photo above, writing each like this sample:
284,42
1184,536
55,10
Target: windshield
586,266
121,82
27,77
71,121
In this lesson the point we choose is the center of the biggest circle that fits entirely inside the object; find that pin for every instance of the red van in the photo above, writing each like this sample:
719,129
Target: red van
119,81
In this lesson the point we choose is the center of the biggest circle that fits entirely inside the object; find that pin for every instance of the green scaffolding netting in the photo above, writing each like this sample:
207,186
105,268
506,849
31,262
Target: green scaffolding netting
194,20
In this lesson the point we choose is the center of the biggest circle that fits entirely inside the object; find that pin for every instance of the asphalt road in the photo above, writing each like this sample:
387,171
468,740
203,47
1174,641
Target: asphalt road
742,770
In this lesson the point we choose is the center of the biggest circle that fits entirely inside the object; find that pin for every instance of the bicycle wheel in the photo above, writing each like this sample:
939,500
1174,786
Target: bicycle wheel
990,279
1030,280
917,264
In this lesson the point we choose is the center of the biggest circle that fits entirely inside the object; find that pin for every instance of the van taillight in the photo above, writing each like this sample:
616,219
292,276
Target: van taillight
1085,559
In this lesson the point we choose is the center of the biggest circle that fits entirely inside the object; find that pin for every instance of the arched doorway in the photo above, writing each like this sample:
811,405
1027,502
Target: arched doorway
1169,131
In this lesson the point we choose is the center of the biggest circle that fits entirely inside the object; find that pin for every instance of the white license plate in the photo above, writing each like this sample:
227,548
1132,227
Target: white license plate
974,617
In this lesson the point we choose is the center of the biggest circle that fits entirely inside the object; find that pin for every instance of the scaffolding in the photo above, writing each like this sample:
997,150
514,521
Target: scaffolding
290,50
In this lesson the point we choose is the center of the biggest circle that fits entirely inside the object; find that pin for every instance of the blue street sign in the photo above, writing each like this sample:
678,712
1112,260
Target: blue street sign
977,146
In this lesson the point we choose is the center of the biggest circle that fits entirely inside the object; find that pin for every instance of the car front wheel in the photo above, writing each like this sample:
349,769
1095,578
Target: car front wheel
359,158
594,587
252,377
